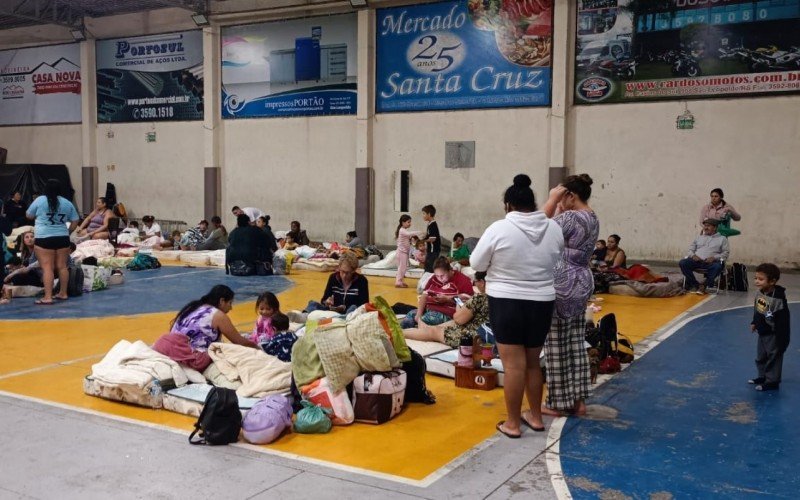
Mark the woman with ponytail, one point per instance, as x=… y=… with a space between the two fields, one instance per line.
x=55 y=217
x=518 y=254
x=568 y=371
x=203 y=320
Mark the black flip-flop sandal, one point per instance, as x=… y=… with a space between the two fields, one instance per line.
x=499 y=428
x=530 y=426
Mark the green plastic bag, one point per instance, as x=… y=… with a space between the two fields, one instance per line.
x=724 y=228
x=312 y=419
x=398 y=339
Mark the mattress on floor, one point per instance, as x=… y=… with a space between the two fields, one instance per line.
x=217 y=258
x=189 y=399
x=322 y=265
x=114 y=262
x=443 y=363
x=197 y=258
x=125 y=393
x=167 y=254
x=413 y=272
x=427 y=348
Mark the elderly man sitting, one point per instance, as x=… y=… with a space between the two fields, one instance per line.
x=707 y=252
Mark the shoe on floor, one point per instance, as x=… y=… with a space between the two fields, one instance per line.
x=768 y=386
x=701 y=290
x=757 y=380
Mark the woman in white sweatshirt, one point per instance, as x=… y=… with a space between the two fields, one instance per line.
x=519 y=254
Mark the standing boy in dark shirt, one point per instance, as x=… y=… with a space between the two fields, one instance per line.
x=433 y=242
x=771 y=323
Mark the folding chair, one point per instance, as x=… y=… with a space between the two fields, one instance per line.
x=704 y=273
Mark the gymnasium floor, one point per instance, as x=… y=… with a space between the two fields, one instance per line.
x=57 y=439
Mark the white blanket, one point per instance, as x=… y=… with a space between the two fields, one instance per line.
x=260 y=373
x=137 y=364
x=93 y=248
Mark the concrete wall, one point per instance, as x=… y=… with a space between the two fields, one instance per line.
x=53 y=144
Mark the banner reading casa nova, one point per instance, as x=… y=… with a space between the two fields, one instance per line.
x=464 y=55
x=302 y=67
x=150 y=78
x=681 y=49
x=40 y=85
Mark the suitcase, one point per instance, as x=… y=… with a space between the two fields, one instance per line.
x=378 y=397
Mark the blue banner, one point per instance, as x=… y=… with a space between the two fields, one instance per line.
x=301 y=67
x=464 y=55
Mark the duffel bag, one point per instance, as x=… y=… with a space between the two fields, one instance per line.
x=378 y=397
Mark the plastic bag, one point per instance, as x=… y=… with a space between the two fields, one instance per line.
x=95 y=278
x=319 y=392
x=312 y=419
x=396 y=333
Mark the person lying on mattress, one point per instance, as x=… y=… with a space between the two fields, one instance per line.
x=437 y=302
x=466 y=320
x=346 y=289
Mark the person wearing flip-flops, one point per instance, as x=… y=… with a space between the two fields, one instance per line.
x=55 y=218
x=519 y=254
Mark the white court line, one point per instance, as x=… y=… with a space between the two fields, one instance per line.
x=185 y=273
x=47 y=367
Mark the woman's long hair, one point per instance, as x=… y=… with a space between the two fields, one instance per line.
x=52 y=190
x=403 y=218
x=212 y=298
x=24 y=252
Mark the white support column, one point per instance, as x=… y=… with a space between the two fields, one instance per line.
x=212 y=122
x=563 y=63
x=88 y=125
x=364 y=178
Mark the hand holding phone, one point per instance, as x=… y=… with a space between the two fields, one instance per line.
x=458 y=301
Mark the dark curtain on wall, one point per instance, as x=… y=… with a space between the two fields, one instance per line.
x=31 y=178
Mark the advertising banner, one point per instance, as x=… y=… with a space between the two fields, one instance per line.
x=302 y=67
x=464 y=55
x=682 y=49
x=150 y=78
x=40 y=85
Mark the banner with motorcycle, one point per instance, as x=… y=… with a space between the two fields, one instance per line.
x=298 y=67
x=464 y=54
x=40 y=85
x=630 y=50
x=150 y=78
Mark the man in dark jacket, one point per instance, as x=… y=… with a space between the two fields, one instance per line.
x=248 y=247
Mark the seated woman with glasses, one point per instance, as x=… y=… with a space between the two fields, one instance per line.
x=346 y=289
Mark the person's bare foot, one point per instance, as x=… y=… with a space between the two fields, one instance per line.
x=553 y=413
x=527 y=419
x=4 y=301
x=580 y=409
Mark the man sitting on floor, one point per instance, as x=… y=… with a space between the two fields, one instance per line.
x=707 y=252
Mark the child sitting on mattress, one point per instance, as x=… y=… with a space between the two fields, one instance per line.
x=268 y=308
x=289 y=244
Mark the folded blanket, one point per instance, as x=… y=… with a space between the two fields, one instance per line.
x=137 y=364
x=260 y=373
x=365 y=335
x=93 y=248
x=336 y=353
x=638 y=272
x=306 y=364
x=177 y=348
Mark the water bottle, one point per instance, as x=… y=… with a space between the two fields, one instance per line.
x=155 y=394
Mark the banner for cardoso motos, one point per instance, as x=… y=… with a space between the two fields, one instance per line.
x=682 y=49
x=150 y=78
x=464 y=54
x=40 y=85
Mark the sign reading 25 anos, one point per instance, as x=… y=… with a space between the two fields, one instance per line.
x=464 y=54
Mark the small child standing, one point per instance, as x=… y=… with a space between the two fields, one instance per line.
x=268 y=307
x=432 y=238
x=403 y=235
x=771 y=323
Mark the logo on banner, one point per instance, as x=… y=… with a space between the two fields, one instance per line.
x=595 y=88
x=138 y=49
x=61 y=77
x=13 y=92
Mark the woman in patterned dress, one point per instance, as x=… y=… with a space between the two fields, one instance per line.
x=568 y=374
x=203 y=320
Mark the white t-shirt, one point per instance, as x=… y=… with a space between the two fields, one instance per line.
x=253 y=213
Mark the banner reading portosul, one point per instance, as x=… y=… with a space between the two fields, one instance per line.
x=464 y=55
x=302 y=67
x=40 y=85
x=683 y=49
x=150 y=78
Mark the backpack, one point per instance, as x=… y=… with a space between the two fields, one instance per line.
x=220 y=420
x=736 y=277
x=267 y=420
x=416 y=388
x=143 y=261
x=607 y=334
x=74 y=282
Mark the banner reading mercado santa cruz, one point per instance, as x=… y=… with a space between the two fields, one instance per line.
x=40 y=85
x=464 y=55
x=682 y=49
x=150 y=78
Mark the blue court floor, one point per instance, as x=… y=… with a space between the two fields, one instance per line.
x=689 y=425
x=176 y=286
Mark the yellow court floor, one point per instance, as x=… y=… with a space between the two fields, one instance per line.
x=47 y=360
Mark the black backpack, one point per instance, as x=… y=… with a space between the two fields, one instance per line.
x=736 y=277
x=416 y=389
x=220 y=420
x=607 y=333
x=74 y=282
